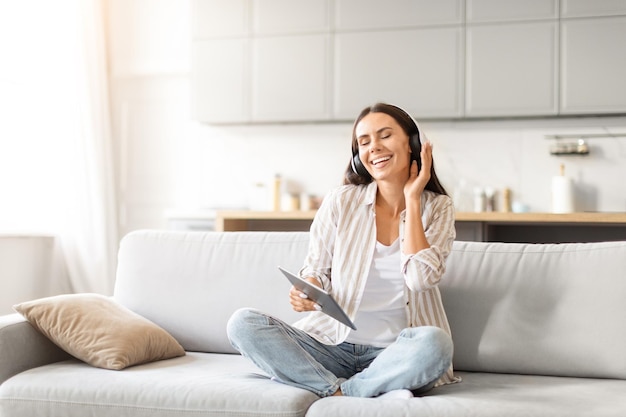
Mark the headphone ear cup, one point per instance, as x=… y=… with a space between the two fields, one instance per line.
x=357 y=166
x=416 y=149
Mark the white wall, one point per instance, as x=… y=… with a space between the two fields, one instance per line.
x=515 y=154
x=166 y=160
x=32 y=267
x=224 y=162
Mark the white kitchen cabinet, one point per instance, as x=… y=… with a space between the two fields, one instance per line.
x=290 y=78
x=376 y=14
x=272 y=17
x=509 y=10
x=593 y=65
x=420 y=70
x=220 y=80
x=320 y=60
x=587 y=8
x=512 y=69
x=220 y=18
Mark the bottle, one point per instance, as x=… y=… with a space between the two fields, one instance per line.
x=276 y=193
x=305 y=202
x=506 y=200
x=490 y=199
x=562 y=193
x=480 y=203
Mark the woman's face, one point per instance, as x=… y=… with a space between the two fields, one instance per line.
x=383 y=147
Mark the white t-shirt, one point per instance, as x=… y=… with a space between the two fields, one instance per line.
x=382 y=314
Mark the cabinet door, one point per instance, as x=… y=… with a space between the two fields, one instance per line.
x=272 y=17
x=377 y=14
x=419 y=70
x=290 y=78
x=593 y=69
x=585 y=8
x=512 y=69
x=220 y=18
x=219 y=80
x=507 y=10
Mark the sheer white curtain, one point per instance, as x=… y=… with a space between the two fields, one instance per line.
x=56 y=169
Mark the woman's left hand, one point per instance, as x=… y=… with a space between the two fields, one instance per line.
x=417 y=180
x=299 y=301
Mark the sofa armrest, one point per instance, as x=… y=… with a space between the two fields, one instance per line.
x=23 y=347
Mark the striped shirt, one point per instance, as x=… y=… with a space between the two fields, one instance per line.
x=341 y=249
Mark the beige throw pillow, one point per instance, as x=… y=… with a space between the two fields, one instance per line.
x=99 y=331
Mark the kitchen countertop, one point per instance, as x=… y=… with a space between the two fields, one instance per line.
x=485 y=226
x=490 y=217
x=266 y=215
x=583 y=217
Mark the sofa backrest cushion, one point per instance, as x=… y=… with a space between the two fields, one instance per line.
x=548 y=309
x=190 y=283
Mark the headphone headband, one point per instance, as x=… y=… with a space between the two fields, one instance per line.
x=410 y=117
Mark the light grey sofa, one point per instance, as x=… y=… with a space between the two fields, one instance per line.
x=539 y=330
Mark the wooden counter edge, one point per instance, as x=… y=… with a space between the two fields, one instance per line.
x=583 y=217
x=237 y=219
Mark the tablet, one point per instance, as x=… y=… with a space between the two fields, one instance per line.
x=321 y=297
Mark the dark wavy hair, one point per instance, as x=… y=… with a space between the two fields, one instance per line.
x=409 y=126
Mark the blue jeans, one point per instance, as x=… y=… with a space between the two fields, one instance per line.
x=415 y=361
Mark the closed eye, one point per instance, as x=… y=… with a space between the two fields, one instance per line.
x=382 y=133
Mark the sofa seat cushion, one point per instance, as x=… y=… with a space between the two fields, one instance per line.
x=493 y=395
x=198 y=384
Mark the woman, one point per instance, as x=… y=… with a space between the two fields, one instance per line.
x=378 y=245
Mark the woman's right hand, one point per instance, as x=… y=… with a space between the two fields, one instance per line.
x=299 y=301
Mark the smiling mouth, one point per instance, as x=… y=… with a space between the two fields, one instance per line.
x=379 y=160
